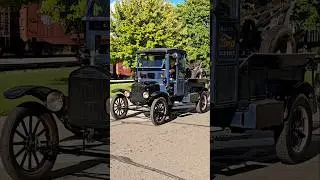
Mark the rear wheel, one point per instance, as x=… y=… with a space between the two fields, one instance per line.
x=119 y=107
x=202 y=104
x=294 y=139
x=28 y=142
x=159 y=111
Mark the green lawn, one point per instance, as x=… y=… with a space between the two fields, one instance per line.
x=53 y=78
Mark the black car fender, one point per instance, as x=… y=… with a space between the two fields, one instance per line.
x=39 y=92
x=158 y=94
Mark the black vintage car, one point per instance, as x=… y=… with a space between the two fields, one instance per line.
x=162 y=82
x=30 y=136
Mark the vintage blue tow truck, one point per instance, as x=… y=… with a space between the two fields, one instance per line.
x=163 y=82
x=259 y=80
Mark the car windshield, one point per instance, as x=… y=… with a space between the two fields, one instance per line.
x=151 y=60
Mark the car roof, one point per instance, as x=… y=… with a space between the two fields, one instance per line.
x=161 y=50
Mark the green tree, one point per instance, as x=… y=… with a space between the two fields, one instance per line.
x=305 y=14
x=67 y=13
x=141 y=24
x=195 y=33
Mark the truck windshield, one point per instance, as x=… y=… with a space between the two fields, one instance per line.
x=151 y=61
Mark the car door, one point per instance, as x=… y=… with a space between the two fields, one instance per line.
x=180 y=69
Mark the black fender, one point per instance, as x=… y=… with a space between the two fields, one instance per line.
x=40 y=108
x=158 y=94
x=119 y=90
x=301 y=88
x=39 y=92
x=307 y=89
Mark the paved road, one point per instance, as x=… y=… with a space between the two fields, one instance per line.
x=35 y=60
x=178 y=149
x=255 y=158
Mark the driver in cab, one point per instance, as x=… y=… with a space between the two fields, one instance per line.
x=172 y=70
x=172 y=74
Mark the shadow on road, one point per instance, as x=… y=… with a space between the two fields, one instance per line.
x=181 y=113
x=174 y=114
x=238 y=160
x=129 y=161
x=78 y=170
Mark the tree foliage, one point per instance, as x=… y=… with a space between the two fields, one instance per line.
x=67 y=13
x=306 y=14
x=195 y=34
x=141 y=24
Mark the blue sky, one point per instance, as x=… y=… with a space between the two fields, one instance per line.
x=176 y=1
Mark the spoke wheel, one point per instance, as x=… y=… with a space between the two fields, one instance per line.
x=202 y=104
x=28 y=141
x=119 y=107
x=159 y=111
x=294 y=139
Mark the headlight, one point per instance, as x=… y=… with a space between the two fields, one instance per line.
x=145 y=95
x=55 y=101
x=127 y=93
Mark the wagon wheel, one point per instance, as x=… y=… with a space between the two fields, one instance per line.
x=294 y=139
x=28 y=140
x=202 y=104
x=159 y=111
x=119 y=107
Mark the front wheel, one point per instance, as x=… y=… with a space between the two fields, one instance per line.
x=202 y=104
x=159 y=111
x=28 y=141
x=293 y=141
x=119 y=107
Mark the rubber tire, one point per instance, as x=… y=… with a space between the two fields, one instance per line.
x=114 y=115
x=7 y=159
x=268 y=45
x=284 y=152
x=204 y=94
x=156 y=123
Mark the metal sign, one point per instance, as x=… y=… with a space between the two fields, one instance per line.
x=225 y=31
